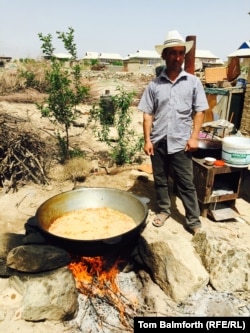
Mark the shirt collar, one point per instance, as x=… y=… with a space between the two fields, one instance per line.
x=163 y=75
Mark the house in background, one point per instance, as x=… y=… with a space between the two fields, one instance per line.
x=91 y=56
x=110 y=58
x=63 y=56
x=205 y=58
x=243 y=52
x=142 y=61
x=4 y=60
x=146 y=61
x=103 y=58
x=60 y=56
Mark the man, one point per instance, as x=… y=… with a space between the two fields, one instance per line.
x=173 y=107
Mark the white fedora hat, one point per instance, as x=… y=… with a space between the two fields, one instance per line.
x=174 y=39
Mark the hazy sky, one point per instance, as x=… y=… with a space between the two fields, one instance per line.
x=122 y=26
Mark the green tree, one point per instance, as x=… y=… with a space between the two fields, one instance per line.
x=128 y=142
x=64 y=90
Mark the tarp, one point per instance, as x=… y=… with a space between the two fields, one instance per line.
x=216 y=91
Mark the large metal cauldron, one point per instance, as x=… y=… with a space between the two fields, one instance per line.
x=208 y=147
x=83 y=198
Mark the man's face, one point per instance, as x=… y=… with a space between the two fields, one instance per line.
x=174 y=55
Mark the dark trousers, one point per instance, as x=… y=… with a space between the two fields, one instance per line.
x=182 y=166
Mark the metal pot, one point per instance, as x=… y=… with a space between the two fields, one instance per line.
x=208 y=147
x=209 y=144
x=82 y=198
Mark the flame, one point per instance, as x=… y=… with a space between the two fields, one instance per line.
x=87 y=269
x=93 y=279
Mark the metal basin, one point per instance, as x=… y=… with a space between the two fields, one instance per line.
x=208 y=147
x=209 y=144
x=82 y=198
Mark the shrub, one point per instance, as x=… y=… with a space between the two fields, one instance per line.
x=128 y=142
x=64 y=90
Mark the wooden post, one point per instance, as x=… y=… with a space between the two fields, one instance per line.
x=189 y=64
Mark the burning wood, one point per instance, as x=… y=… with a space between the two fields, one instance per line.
x=99 y=284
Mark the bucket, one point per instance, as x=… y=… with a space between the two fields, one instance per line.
x=236 y=151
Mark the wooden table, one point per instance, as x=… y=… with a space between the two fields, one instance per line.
x=216 y=184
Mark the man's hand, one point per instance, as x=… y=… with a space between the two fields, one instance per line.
x=192 y=145
x=149 y=148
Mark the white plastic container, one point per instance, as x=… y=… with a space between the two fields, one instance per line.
x=236 y=151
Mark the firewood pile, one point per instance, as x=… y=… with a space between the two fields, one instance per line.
x=23 y=155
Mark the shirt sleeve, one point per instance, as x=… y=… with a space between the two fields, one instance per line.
x=146 y=103
x=200 y=102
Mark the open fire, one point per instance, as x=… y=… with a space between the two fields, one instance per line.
x=88 y=269
x=99 y=283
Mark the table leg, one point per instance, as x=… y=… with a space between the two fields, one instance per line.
x=204 y=209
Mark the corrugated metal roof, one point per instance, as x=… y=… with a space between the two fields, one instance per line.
x=97 y=55
x=205 y=54
x=114 y=56
x=240 y=53
x=243 y=51
x=145 y=54
x=62 y=55
x=154 y=55
x=91 y=55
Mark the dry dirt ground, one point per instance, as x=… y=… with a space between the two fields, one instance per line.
x=17 y=207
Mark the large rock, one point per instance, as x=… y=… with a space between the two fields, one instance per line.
x=226 y=260
x=37 y=258
x=173 y=263
x=8 y=241
x=51 y=295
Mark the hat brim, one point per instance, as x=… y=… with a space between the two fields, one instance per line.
x=188 y=46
